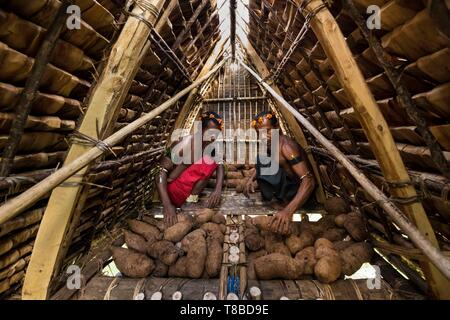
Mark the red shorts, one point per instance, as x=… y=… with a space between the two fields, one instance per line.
x=180 y=188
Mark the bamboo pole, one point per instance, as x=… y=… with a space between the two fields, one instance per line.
x=30 y=91
x=421 y=242
x=290 y=120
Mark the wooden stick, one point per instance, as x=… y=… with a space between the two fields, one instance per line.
x=435 y=256
x=29 y=93
x=403 y=95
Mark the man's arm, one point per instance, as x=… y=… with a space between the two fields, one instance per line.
x=283 y=218
x=167 y=165
x=170 y=217
x=214 y=198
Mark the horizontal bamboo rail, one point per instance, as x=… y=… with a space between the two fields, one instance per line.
x=433 y=254
x=16 y=205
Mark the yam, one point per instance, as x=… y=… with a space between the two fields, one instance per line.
x=231 y=175
x=354 y=256
x=132 y=264
x=262 y=222
x=274 y=243
x=334 y=234
x=297 y=243
x=252 y=256
x=214 y=257
x=154 y=222
x=219 y=219
x=356 y=227
x=179 y=269
x=249 y=223
x=178 y=231
x=326 y=222
x=340 y=219
x=323 y=242
x=149 y=232
x=281 y=248
x=135 y=241
x=253 y=240
x=248 y=173
x=307 y=258
x=195 y=246
x=213 y=230
x=277 y=266
x=185 y=218
x=328 y=269
x=204 y=215
x=161 y=269
x=163 y=250
x=341 y=245
x=232 y=183
x=324 y=251
x=336 y=205
x=314 y=227
x=241 y=186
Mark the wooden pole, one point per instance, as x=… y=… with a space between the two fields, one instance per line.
x=233 y=6
x=376 y=129
x=290 y=119
x=29 y=92
x=422 y=242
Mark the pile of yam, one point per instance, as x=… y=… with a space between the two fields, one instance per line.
x=191 y=248
x=326 y=250
x=236 y=177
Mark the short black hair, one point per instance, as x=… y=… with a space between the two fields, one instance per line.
x=273 y=119
x=208 y=116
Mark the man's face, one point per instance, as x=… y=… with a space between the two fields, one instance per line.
x=212 y=130
x=267 y=127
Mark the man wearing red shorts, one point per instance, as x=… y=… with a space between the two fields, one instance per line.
x=176 y=182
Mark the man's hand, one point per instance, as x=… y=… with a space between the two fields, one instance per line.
x=281 y=222
x=214 y=199
x=249 y=188
x=170 y=215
